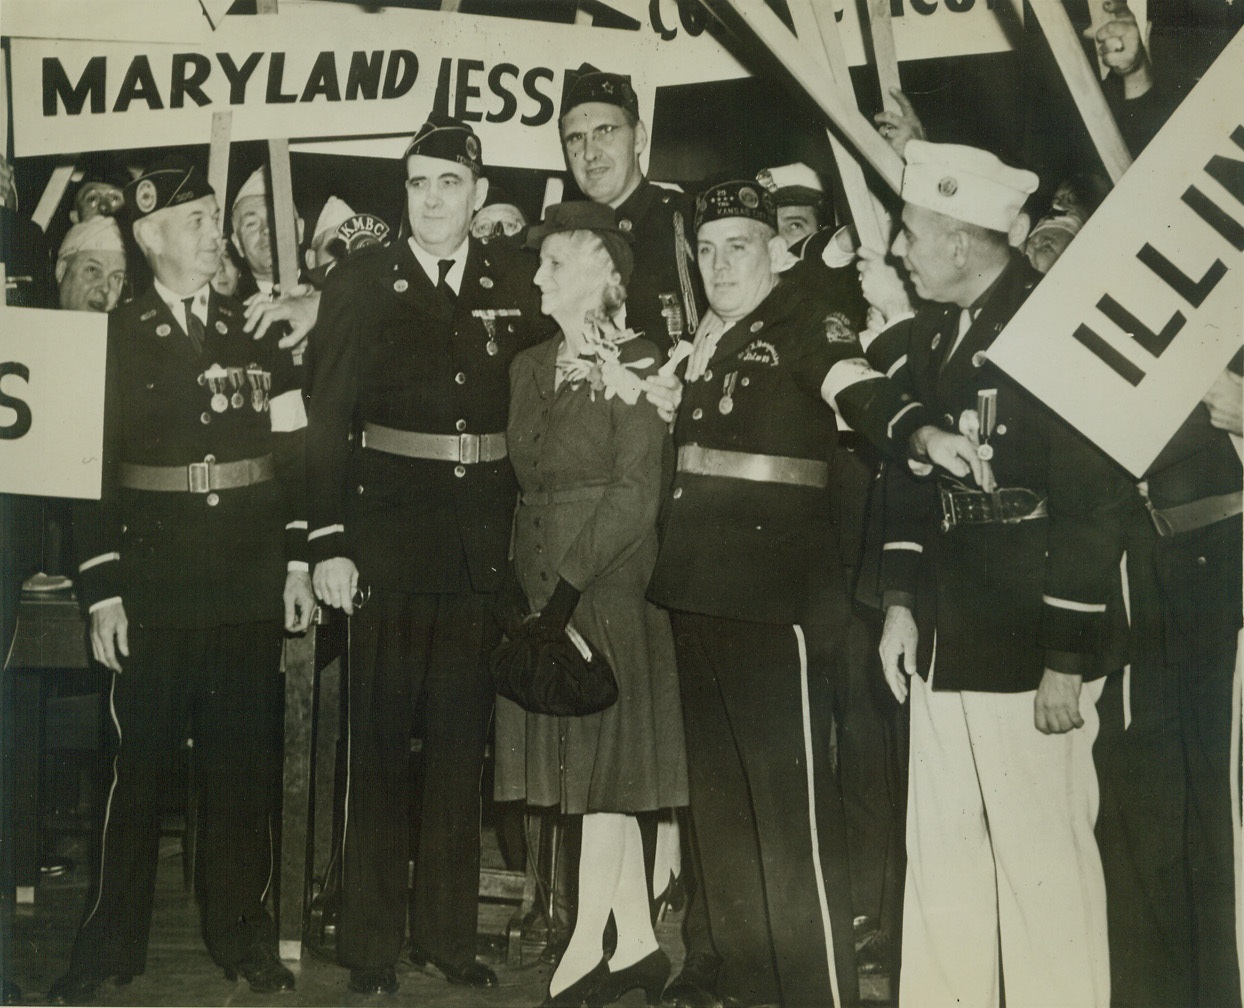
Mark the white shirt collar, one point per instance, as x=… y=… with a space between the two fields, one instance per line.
x=428 y=261
x=176 y=305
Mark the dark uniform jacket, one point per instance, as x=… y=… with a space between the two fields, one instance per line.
x=1006 y=598
x=661 y=223
x=1199 y=571
x=180 y=559
x=746 y=550
x=387 y=350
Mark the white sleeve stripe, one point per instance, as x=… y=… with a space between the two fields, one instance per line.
x=843 y=375
x=97 y=560
x=296 y=525
x=326 y=530
x=889 y=430
x=103 y=602
x=898 y=364
x=1085 y=607
x=915 y=547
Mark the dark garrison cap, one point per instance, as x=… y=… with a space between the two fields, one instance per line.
x=736 y=198
x=447 y=138
x=585 y=215
x=588 y=84
x=170 y=183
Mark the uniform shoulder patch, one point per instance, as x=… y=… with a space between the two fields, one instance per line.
x=838 y=328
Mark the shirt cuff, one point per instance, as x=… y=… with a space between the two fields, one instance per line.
x=297 y=565
x=115 y=600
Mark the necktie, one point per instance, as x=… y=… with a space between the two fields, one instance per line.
x=443 y=266
x=966 y=317
x=194 y=327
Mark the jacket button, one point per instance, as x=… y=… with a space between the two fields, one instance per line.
x=1200 y=561
x=460 y=426
x=544 y=575
x=205 y=417
x=745 y=381
x=677 y=492
x=460 y=378
x=697 y=413
x=1001 y=429
x=213 y=499
x=459 y=471
x=360 y=488
x=209 y=459
x=708 y=375
x=539 y=548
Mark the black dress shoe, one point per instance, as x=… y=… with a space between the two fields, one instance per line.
x=77 y=986
x=696 y=985
x=263 y=971
x=364 y=980
x=650 y=973
x=473 y=974
x=580 y=992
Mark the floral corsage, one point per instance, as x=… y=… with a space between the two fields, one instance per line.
x=601 y=367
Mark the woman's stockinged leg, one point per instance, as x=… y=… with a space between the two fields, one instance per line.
x=600 y=866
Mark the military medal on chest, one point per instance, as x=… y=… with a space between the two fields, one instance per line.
x=237 y=376
x=489 y=317
x=217 y=379
x=726 y=405
x=987 y=410
x=260 y=381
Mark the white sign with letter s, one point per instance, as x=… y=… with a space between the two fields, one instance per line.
x=52 y=401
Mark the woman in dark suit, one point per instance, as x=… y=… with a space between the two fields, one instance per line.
x=587 y=448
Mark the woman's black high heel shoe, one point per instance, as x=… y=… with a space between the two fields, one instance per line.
x=650 y=973
x=581 y=992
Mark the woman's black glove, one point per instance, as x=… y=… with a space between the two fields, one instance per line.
x=512 y=607
x=551 y=621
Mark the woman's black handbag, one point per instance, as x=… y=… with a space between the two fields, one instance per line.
x=561 y=675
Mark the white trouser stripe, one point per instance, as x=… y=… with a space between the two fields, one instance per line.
x=1234 y=778
x=821 y=895
x=103 y=843
x=345 y=686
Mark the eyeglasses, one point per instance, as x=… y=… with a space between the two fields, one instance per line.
x=575 y=143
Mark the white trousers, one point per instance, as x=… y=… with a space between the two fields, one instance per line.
x=1002 y=865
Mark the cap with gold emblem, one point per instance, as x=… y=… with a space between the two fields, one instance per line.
x=965 y=183
x=171 y=183
x=587 y=84
x=447 y=138
x=736 y=198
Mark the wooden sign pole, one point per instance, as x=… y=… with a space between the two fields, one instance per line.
x=881 y=29
x=816 y=80
x=810 y=25
x=218 y=157
x=1084 y=85
x=283 y=214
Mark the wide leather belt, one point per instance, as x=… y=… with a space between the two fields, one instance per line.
x=198 y=477
x=465 y=448
x=1008 y=505
x=1173 y=521
x=747 y=466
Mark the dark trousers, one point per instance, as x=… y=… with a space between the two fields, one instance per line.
x=1206 y=711
x=406 y=649
x=222 y=685
x=762 y=825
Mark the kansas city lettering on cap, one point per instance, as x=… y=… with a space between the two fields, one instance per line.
x=1227 y=172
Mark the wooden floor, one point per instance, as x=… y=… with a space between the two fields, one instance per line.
x=180 y=972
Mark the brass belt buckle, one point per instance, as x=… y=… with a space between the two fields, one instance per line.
x=199 y=472
x=468 y=448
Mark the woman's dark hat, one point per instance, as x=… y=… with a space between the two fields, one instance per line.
x=584 y=215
